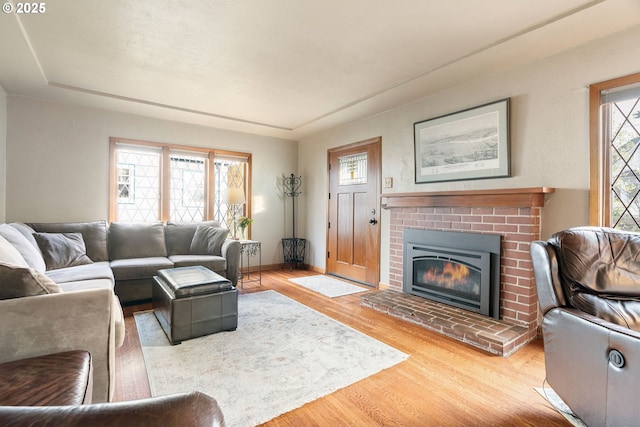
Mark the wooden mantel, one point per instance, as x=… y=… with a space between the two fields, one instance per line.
x=505 y=197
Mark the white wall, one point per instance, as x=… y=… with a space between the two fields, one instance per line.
x=58 y=163
x=3 y=150
x=549 y=137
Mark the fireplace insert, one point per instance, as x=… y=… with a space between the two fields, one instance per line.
x=459 y=269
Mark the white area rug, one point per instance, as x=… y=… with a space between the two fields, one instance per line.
x=554 y=400
x=328 y=286
x=282 y=355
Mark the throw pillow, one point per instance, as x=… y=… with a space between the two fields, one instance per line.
x=180 y=234
x=9 y=254
x=61 y=250
x=17 y=282
x=27 y=249
x=208 y=240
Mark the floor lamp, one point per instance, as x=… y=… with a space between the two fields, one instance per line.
x=235 y=198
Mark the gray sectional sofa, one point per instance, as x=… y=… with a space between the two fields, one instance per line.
x=130 y=254
x=61 y=284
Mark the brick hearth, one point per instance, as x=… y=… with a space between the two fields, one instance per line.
x=495 y=336
x=515 y=215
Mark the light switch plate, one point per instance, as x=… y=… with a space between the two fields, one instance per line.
x=388 y=182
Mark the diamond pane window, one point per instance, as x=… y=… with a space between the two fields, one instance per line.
x=126 y=189
x=188 y=187
x=622 y=113
x=228 y=172
x=138 y=185
x=161 y=182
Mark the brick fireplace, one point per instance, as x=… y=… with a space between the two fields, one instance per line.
x=513 y=214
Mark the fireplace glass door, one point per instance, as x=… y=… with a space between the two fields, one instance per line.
x=457 y=277
x=448 y=277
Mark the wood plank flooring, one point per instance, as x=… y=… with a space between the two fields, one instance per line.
x=443 y=382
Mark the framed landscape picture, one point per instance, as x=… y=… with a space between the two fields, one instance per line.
x=469 y=144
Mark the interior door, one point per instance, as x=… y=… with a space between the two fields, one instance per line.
x=353 y=233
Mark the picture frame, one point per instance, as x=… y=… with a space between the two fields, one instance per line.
x=465 y=145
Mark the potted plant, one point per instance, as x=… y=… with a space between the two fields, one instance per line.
x=243 y=223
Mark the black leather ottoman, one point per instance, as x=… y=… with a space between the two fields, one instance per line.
x=190 y=302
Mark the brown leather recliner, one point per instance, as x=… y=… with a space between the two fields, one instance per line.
x=588 y=282
x=184 y=409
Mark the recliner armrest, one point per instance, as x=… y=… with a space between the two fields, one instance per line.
x=577 y=348
x=548 y=283
x=185 y=409
x=53 y=323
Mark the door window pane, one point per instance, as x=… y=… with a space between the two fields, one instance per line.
x=352 y=169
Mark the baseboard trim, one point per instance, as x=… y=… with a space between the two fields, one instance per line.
x=268 y=267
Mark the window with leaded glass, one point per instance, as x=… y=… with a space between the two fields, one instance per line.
x=615 y=163
x=160 y=182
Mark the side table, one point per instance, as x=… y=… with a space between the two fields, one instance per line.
x=250 y=249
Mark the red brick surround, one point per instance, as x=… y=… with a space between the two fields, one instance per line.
x=516 y=219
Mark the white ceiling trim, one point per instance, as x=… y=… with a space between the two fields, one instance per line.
x=160 y=105
x=497 y=43
x=346 y=106
x=27 y=40
x=313 y=86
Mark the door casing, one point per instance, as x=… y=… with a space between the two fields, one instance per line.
x=353 y=243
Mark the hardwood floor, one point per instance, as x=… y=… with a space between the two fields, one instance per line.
x=442 y=383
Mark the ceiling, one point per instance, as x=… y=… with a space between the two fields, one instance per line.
x=282 y=68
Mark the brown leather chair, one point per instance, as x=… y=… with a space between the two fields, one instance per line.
x=186 y=409
x=588 y=282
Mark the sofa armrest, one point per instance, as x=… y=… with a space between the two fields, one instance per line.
x=577 y=348
x=231 y=252
x=53 y=323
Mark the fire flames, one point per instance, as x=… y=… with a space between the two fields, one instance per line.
x=450 y=276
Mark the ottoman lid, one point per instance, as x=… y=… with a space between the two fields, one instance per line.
x=192 y=281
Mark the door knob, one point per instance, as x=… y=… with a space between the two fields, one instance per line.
x=373 y=221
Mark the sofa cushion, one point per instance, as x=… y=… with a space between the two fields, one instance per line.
x=26 y=231
x=17 y=282
x=94 y=234
x=28 y=248
x=95 y=271
x=213 y=263
x=180 y=234
x=208 y=240
x=10 y=255
x=136 y=240
x=83 y=285
x=61 y=250
x=138 y=268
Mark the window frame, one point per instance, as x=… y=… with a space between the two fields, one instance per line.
x=165 y=177
x=599 y=159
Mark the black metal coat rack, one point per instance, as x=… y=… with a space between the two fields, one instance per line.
x=293 y=248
